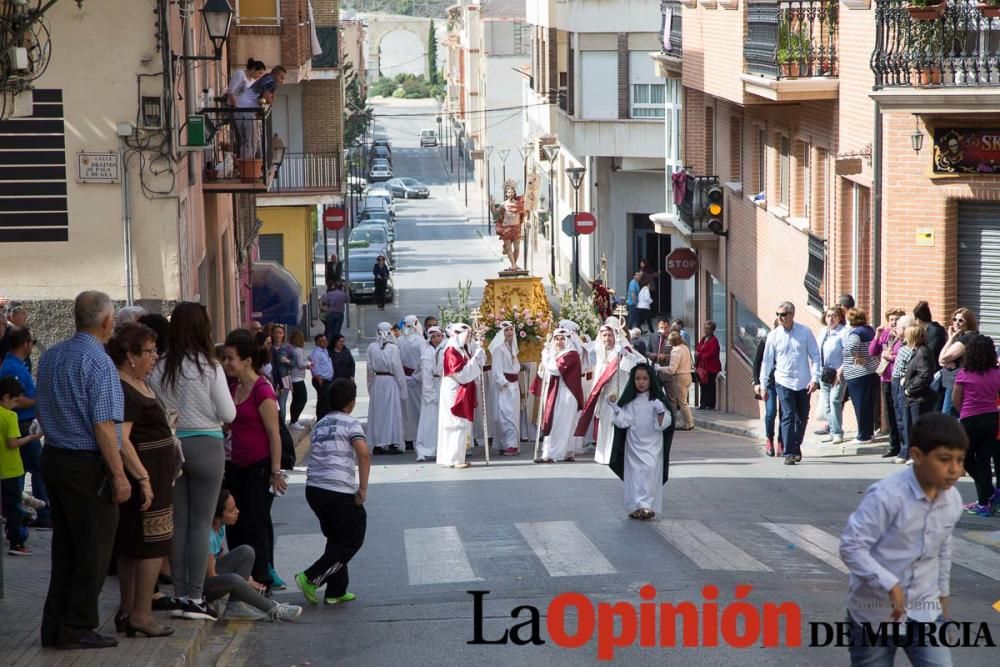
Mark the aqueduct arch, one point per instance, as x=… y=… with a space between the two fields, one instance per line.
x=380 y=25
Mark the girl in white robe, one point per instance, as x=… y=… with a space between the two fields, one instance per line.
x=386 y=388
x=611 y=351
x=431 y=368
x=505 y=372
x=411 y=349
x=563 y=400
x=641 y=450
x=463 y=367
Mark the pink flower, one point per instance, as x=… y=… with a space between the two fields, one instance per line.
x=528 y=321
x=523 y=335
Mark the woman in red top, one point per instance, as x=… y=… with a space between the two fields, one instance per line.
x=707 y=365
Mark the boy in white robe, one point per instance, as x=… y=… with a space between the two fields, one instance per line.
x=411 y=348
x=505 y=371
x=431 y=369
x=386 y=388
x=462 y=369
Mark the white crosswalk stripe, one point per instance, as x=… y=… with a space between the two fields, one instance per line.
x=706 y=548
x=436 y=556
x=976 y=557
x=563 y=549
x=818 y=543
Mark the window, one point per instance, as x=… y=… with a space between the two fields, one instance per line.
x=672 y=123
x=748 y=331
x=784 y=177
x=806 y=181
x=815 y=272
x=648 y=100
x=717 y=309
x=272 y=248
x=736 y=148
x=761 y=160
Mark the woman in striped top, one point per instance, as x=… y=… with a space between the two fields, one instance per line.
x=860 y=372
x=901 y=358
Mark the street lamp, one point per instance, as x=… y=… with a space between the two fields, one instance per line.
x=576 y=179
x=462 y=164
x=218 y=17
x=504 y=153
x=552 y=152
x=487 y=154
x=525 y=150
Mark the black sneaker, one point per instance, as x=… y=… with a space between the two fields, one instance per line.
x=198 y=611
x=395 y=449
x=409 y=445
x=167 y=603
x=378 y=450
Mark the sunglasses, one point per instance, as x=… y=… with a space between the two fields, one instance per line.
x=781 y=314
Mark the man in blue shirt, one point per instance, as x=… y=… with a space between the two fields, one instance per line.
x=15 y=364
x=792 y=352
x=632 y=298
x=80 y=409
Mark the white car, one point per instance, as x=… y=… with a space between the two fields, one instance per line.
x=428 y=138
x=380 y=171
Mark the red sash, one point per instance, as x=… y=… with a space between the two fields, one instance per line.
x=569 y=372
x=591 y=407
x=464 y=406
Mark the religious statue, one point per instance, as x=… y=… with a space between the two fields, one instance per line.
x=510 y=217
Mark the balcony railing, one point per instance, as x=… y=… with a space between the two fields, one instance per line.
x=307 y=173
x=241 y=155
x=789 y=39
x=961 y=48
x=670 y=33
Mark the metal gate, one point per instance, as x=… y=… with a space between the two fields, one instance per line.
x=979 y=263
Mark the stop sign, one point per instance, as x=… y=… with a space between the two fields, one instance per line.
x=585 y=223
x=334 y=218
x=682 y=263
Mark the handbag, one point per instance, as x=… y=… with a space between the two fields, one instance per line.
x=883 y=364
x=828 y=375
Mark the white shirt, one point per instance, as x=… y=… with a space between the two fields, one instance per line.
x=790 y=354
x=203 y=401
x=645 y=298
x=240 y=88
x=331 y=461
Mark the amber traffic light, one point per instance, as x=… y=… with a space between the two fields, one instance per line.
x=715 y=198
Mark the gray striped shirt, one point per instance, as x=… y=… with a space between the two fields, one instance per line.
x=332 y=462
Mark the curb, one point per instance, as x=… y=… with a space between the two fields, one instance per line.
x=808 y=448
x=189 y=655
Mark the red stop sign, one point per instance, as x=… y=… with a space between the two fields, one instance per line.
x=334 y=218
x=682 y=263
x=585 y=223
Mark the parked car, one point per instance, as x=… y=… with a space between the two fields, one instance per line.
x=371 y=238
x=408 y=188
x=380 y=153
x=356 y=184
x=428 y=138
x=383 y=142
x=376 y=210
x=360 y=280
x=382 y=197
x=380 y=171
x=379 y=223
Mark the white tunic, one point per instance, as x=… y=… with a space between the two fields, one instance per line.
x=643 y=451
x=603 y=413
x=453 y=431
x=507 y=397
x=386 y=384
x=558 y=444
x=411 y=349
x=431 y=369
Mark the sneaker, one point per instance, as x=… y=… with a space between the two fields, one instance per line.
x=859 y=441
x=828 y=438
x=891 y=454
x=970 y=506
x=19 y=550
x=295 y=426
x=198 y=610
x=165 y=603
x=284 y=612
x=836 y=439
x=789 y=460
x=798 y=458
x=981 y=510
x=909 y=462
x=278 y=584
x=32 y=502
x=421 y=459
x=307 y=588
x=346 y=597
x=899 y=460
x=822 y=431
x=511 y=451
x=395 y=449
x=769 y=447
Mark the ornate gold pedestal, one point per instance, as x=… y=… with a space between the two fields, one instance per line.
x=517 y=293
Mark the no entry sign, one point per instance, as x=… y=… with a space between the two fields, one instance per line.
x=682 y=263
x=586 y=223
x=334 y=218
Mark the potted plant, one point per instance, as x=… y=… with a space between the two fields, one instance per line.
x=211 y=173
x=793 y=46
x=926 y=41
x=989 y=9
x=926 y=10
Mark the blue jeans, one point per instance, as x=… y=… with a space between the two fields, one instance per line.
x=334 y=323
x=902 y=422
x=831 y=405
x=31 y=457
x=770 y=410
x=862 y=391
x=884 y=655
x=947 y=406
x=794 y=415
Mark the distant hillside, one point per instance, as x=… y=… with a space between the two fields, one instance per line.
x=427 y=8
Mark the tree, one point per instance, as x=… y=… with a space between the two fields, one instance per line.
x=432 y=55
x=357 y=113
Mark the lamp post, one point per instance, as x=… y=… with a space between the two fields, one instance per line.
x=487 y=154
x=463 y=165
x=576 y=179
x=218 y=17
x=525 y=150
x=503 y=153
x=552 y=152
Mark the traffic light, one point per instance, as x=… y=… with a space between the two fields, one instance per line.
x=715 y=198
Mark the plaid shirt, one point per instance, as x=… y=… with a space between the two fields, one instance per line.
x=78 y=387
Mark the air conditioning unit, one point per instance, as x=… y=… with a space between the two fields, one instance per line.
x=151 y=112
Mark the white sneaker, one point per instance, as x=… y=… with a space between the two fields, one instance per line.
x=836 y=439
x=296 y=427
x=899 y=460
x=828 y=438
x=909 y=462
x=420 y=459
x=285 y=612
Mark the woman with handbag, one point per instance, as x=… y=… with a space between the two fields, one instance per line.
x=282 y=362
x=831 y=396
x=859 y=371
x=964 y=327
x=884 y=346
x=707 y=365
x=680 y=371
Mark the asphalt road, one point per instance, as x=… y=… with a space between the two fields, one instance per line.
x=529 y=533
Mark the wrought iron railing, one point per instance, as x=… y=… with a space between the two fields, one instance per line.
x=961 y=47
x=563 y=100
x=241 y=144
x=307 y=172
x=789 y=39
x=670 y=34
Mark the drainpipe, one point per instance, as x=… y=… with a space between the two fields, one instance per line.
x=877 y=215
x=126 y=224
x=190 y=94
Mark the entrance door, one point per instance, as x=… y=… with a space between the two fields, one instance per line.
x=652 y=247
x=979 y=263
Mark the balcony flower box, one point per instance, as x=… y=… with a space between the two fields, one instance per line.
x=989 y=10
x=928 y=76
x=250 y=169
x=920 y=10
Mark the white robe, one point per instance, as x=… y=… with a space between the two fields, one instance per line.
x=411 y=348
x=453 y=431
x=643 y=452
x=431 y=369
x=603 y=412
x=385 y=408
x=507 y=398
x=559 y=443
x=491 y=410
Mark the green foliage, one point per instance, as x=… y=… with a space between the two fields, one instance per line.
x=457 y=310
x=357 y=113
x=383 y=87
x=425 y=8
x=407 y=86
x=399 y=92
x=432 y=53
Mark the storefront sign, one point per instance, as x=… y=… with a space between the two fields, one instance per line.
x=959 y=150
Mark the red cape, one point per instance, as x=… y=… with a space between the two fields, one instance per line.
x=595 y=394
x=465 y=400
x=569 y=373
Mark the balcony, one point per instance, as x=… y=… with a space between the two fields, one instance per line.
x=691 y=219
x=277 y=32
x=948 y=63
x=668 y=61
x=790 y=50
x=240 y=158
x=306 y=178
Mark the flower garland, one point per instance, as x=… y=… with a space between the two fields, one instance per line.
x=580 y=309
x=529 y=325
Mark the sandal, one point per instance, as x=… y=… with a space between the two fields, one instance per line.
x=635 y=515
x=646 y=515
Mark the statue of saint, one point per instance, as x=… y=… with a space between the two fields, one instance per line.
x=510 y=216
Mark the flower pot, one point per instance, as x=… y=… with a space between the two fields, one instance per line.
x=250 y=169
x=928 y=13
x=930 y=76
x=790 y=70
x=988 y=10
x=211 y=174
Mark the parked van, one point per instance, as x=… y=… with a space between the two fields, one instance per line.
x=428 y=138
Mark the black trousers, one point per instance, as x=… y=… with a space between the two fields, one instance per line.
x=380 y=286
x=888 y=401
x=299 y=398
x=343 y=522
x=322 y=388
x=707 y=393
x=250 y=487
x=10 y=500
x=982 y=432
x=83 y=534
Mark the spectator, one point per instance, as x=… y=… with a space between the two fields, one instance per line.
x=128 y=314
x=191 y=383
x=11 y=467
x=644 y=308
x=264 y=86
x=884 y=347
x=903 y=354
x=680 y=370
x=4 y=325
x=769 y=395
x=161 y=326
x=963 y=328
x=333 y=305
x=791 y=351
x=707 y=365
x=263 y=341
x=860 y=373
x=660 y=344
x=238 y=93
x=256 y=451
x=921 y=397
x=15 y=364
x=298 y=376
x=334 y=270
x=678 y=326
x=335 y=496
x=845 y=301
x=229 y=571
x=648 y=273
x=831 y=396
x=255 y=327
x=282 y=360
x=635 y=338
x=145 y=523
x=80 y=406
x=632 y=298
x=936 y=335
x=977 y=386
x=381 y=273
x=322 y=374
x=17 y=316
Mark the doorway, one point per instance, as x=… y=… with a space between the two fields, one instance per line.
x=654 y=248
